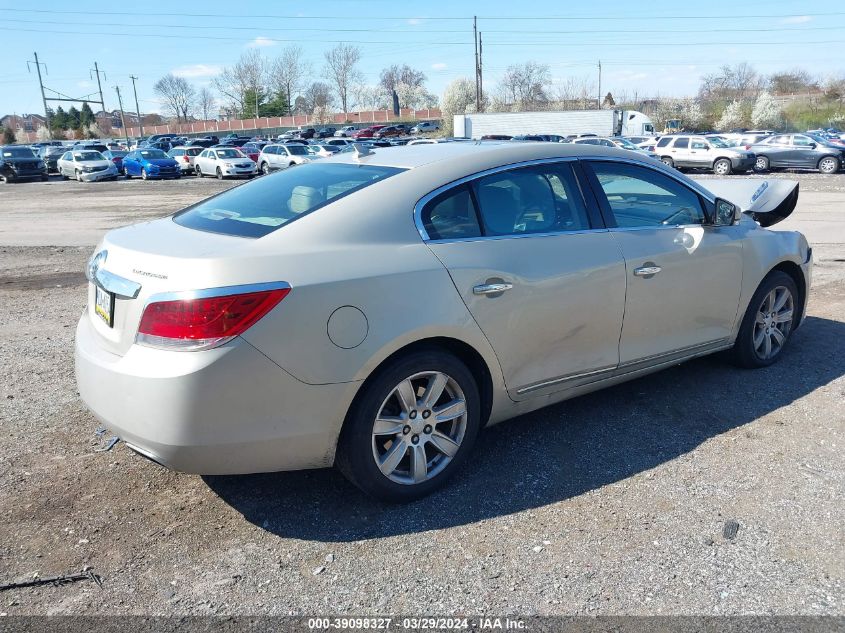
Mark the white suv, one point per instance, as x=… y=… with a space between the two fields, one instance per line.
x=274 y=157
x=698 y=152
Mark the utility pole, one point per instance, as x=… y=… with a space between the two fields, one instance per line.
x=122 y=118
x=97 y=72
x=137 y=109
x=41 y=85
x=599 y=84
x=480 y=68
x=477 y=80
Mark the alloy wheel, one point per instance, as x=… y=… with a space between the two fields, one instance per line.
x=828 y=165
x=773 y=322
x=419 y=427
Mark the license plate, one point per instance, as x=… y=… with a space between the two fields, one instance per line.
x=104 y=305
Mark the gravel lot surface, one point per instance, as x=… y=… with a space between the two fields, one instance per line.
x=613 y=503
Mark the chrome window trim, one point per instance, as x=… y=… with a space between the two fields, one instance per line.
x=119 y=286
x=662 y=169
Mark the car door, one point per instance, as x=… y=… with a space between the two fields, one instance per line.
x=63 y=161
x=778 y=150
x=683 y=277
x=542 y=278
x=130 y=164
x=680 y=152
x=700 y=153
x=803 y=152
x=202 y=161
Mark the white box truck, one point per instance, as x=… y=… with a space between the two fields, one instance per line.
x=564 y=123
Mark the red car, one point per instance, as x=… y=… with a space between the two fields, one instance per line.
x=367 y=132
x=250 y=151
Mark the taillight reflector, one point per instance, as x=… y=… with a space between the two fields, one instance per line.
x=204 y=322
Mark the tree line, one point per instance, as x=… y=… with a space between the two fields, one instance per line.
x=256 y=86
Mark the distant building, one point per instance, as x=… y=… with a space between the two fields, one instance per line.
x=23 y=122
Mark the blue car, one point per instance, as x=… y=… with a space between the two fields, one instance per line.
x=150 y=163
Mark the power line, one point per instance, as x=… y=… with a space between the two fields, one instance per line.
x=405 y=42
x=438 y=18
x=264 y=28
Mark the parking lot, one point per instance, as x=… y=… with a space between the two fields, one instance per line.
x=612 y=503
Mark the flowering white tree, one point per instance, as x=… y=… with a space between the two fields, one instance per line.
x=43 y=134
x=766 y=112
x=369 y=97
x=691 y=114
x=731 y=118
x=416 y=97
x=458 y=98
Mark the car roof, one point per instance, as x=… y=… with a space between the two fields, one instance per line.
x=476 y=155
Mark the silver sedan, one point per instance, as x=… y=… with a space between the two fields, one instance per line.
x=377 y=309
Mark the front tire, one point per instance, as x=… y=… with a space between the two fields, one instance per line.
x=265 y=168
x=199 y=172
x=768 y=322
x=761 y=164
x=411 y=427
x=722 y=167
x=828 y=165
x=144 y=175
x=78 y=176
x=219 y=174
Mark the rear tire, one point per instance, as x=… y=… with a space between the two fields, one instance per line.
x=667 y=161
x=722 y=167
x=405 y=461
x=768 y=323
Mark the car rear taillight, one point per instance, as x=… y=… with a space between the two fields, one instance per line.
x=202 y=322
x=185 y=158
x=115 y=160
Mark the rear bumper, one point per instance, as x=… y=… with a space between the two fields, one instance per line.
x=807 y=269
x=229 y=410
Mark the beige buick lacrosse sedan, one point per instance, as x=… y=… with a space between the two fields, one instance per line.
x=377 y=309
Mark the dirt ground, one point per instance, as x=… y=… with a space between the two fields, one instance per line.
x=612 y=503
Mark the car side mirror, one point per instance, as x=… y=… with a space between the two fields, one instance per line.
x=812 y=146
x=727 y=213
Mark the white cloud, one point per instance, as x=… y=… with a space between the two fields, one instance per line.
x=85 y=84
x=193 y=71
x=796 y=19
x=415 y=21
x=261 y=42
x=439 y=66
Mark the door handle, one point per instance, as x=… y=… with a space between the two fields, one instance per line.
x=491 y=289
x=647 y=271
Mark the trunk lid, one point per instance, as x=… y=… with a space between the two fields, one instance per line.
x=162 y=256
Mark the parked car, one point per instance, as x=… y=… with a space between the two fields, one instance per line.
x=340 y=142
x=389 y=131
x=20 y=163
x=308 y=132
x=51 y=154
x=281 y=156
x=542 y=295
x=323 y=150
x=496 y=137
x=699 y=152
x=86 y=165
x=149 y=162
x=367 y=132
x=325 y=132
x=185 y=156
x=116 y=156
x=614 y=141
x=252 y=150
x=798 y=151
x=346 y=130
x=425 y=126
x=96 y=147
x=203 y=142
x=224 y=162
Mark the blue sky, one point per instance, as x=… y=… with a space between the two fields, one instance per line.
x=649 y=48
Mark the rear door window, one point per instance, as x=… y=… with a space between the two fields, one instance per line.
x=267 y=204
x=681 y=143
x=451 y=215
x=542 y=199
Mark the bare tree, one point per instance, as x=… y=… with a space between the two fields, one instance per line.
x=738 y=82
x=246 y=77
x=206 y=102
x=318 y=96
x=792 y=81
x=526 y=85
x=403 y=79
x=341 y=71
x=287 y=73
x=179 y=95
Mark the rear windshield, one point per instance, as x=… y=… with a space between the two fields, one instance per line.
x=86 y=156
x=153 y=153
x=265 y=205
